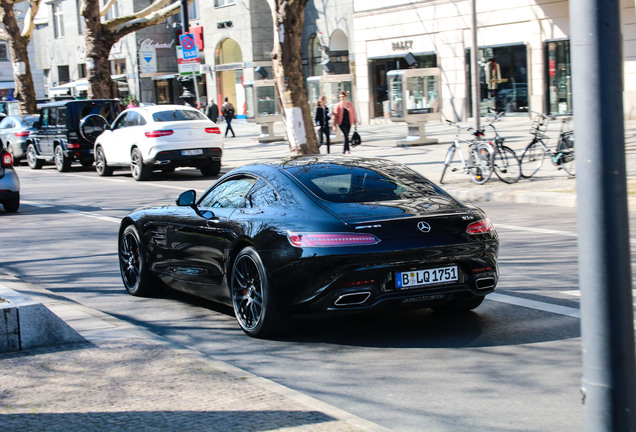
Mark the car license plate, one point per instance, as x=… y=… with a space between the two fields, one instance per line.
x=191 y=152
x=418 y=278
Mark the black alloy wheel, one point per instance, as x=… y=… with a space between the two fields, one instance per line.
x=132 y=264
x=253 y=300
x=138 y=170
x=32 y=160
x=101 y=166
x=62 y=163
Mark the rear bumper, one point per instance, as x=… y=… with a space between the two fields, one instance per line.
x=177 y=158
x=9 y=183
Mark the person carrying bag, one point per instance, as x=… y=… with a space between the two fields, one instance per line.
x=344 y=116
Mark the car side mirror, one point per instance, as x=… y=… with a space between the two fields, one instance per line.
x=187 y=199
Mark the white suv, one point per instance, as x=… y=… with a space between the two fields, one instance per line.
x=159 y=137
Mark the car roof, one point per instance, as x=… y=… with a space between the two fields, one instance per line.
x=159 y=108
x=75 y=101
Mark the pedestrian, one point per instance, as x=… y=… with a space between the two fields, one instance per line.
x=228 y=114
x=322 y=121
x=344 y=115
x=212 y=111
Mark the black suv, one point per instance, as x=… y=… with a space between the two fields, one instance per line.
x=67 y=130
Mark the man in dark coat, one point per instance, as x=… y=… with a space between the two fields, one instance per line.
x=212 y=111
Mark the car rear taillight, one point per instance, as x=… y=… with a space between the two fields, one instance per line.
x=331 y=239
x=481 y=227
x=7 y=160
x=214 y=130
x=159 y=133
x=21 y=134
x=71 y=146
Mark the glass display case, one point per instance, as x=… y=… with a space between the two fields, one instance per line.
x=334 y=84
x=313 y=90
x=263 y=107
x=414 y=94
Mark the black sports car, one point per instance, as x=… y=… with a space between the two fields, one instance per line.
x=314 y=235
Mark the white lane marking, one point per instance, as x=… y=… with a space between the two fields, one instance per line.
x=92 y=215
x=536 y=230
x=36 y=204
x=537 y=305
x=577 y=293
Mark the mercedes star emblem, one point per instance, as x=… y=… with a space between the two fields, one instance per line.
x=423 y=226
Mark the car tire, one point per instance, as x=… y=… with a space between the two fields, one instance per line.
x=138 y=170
x=12 y=205
x=459 y=305
x=32 y=160
x=62 y=163
x=101 y=166
x=211 y=169
x=133 y=267
x=254 y=301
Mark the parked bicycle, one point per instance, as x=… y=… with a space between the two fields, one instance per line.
x=506 y=164
x=478 y=165
x=534 y=153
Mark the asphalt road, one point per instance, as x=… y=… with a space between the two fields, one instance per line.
x=512 y=365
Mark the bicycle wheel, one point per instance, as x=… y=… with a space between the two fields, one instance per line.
x=447 y=161
x=506 y=165
x=480 y=163
x=532 y=159
x=565 y=154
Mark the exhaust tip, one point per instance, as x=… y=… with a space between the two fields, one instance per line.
x=352 y=299
x=485 y=283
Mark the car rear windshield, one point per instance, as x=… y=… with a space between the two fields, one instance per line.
x=177 y=115
x=351 y=184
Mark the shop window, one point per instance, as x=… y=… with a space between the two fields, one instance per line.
x=4 y=51
x=58 y=20
x=558 y=77
x=503 y=78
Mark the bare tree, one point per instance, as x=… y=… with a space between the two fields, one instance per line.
x=289 y=20
x=18 y=41
x=101 y=36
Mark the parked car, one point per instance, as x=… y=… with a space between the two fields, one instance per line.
x=160 y=137
x=314 y=235
x=9 y=183
x=14 y=131
x=66 y=131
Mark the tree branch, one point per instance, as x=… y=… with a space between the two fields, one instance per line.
x=125 y=25
x=29 y=19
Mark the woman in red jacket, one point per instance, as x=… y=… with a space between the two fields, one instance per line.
x=344 y=116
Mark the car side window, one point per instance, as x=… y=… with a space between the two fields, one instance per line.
x=6 y=124
x=261 y=195
x=121 y=121
x=45 y=117
x=132 y=119
x=229 y=194
x=61 y=116
x=52 y=117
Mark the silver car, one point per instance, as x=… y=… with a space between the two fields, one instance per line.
x=9 y=183
x=14 y=131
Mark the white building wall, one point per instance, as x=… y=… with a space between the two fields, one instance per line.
x=444 y=26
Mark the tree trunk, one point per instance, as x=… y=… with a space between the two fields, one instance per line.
x=24 y=89
x=289 y=20
x=99 y=42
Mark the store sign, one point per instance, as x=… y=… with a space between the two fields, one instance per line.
x=406 y=45
x=156 y=45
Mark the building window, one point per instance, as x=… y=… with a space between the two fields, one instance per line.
x=221 y=3
x=193 y=10
x=80 y=19
x=58 y=20
x=113 y=11
x=315 y=55
x=63 y=74
x=118 y=67
x=558 y=77
x=81 y=70
x=4 y=51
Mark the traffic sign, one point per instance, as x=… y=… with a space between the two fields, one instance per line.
x=188 y=46
x=147 y=59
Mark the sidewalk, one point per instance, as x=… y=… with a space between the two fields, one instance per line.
x=124 y=378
